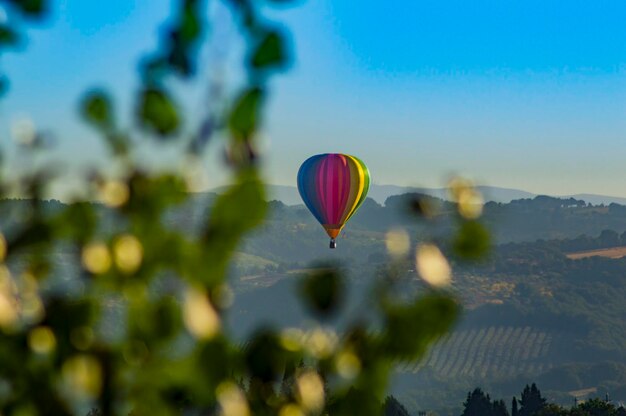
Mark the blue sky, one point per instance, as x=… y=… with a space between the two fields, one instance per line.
x=525 y=94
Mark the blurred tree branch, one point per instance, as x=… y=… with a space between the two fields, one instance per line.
x=171 y=353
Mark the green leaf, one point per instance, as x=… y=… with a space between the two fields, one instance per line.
x=234 y=213
x=96 y=109
x=265 y=359
x=357 y=401
x=77 y=221
x=270 y=52
x=157 y=112
x=67 y=315
x=244 y=116
x=183 y=38
x=323 y=291
x=472 y=240
x=31 y=7
x=4 y=85
x=217 y=356
x=410 y=328
x=423 y=206
x=190 y=25
x=36 y=233
x=167 y=314
x=8 y=36
x=155 y=321
x=150 y=195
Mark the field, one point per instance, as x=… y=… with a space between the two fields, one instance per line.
x=612 y=253
x=494 y=352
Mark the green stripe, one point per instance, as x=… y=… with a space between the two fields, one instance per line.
x=366 y=185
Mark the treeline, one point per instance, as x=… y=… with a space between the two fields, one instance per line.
x=544 y=257
x=530 y=403
x=542 y=217
x=291 y=234
x=606 y=239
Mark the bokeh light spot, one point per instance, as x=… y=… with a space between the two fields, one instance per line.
x=82 y=375
x=8 y=299
x=310 y=391
x=232 y=400
x=3 y=247
x=200 y=316
x=320 y=343
x=348 y=364
x=96 y=258
x=432 y=265
x=114 y=193
x=291 y=339
x=397 y=242
x=128 y=253
x=291 y=410
x=41 y=340
x=470 y=201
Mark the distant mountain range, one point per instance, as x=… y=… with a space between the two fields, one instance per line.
x=288 y=195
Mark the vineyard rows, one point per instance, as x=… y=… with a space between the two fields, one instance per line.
x=489 y=352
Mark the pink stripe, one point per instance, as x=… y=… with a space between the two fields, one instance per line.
x=332 y=187
x=339 y=184
x=344 y=180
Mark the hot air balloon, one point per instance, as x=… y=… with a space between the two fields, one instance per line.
x=333 y=186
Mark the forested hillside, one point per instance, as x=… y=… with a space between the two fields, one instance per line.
x=531 y=313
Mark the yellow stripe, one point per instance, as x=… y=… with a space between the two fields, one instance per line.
x=362 y=188
x=360 y=182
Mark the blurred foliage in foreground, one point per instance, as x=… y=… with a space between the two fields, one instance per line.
x=168 y=352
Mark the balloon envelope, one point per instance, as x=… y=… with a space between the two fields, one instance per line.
x=333 y=186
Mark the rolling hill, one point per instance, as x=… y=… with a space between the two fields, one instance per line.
x=530 y=312
x=288 y=195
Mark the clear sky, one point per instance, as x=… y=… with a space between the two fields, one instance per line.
x=524 y=94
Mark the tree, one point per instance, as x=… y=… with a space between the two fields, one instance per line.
x=553 y=410
x=576 y=411
x=392 y=407
x=514 y=410
x=598 y=407
x=609 y=238
x=499 y=408
x=532 y=401
x=477 y=404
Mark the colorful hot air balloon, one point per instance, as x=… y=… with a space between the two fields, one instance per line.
x=333 y=186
